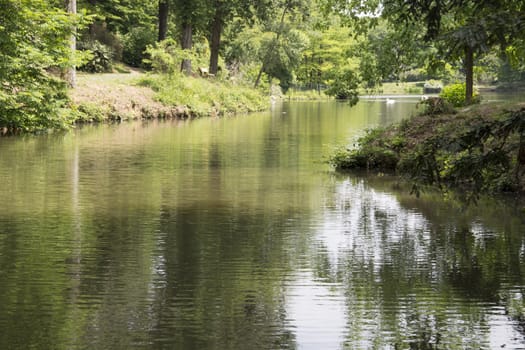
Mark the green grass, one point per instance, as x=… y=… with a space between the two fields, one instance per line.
x=397 y=88
x=205 y=96
x=305 y=95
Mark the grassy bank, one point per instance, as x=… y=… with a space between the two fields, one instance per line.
x=395 y=88
x=480 y=149
x=203 y=97
x=135 y=95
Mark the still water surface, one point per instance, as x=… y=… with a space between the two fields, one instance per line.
x=232 y=233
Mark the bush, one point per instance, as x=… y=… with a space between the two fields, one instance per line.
x=373 y=153
x=164 y=57
x=365 y=158
x=34 y=41
x=436 y=106
x=100 y=58
x=89 y=112
x=135 y=43
x=344 y=87
x=455 y=94
x=39 y=103
x=98 y=31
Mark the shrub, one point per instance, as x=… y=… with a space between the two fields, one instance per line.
x=100 y=58
x=34 y=41
x=377 y=158
x=372 y=153
x=436 y=106
x=89 y=112
x=164 y=57
x=98 y=31
x=414 y=90
x=344 y=86
x=135 y=43
x=39 y=103
x=455 y=94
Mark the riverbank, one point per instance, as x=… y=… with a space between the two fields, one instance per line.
x=115 y=96
x=479 y=149
x=136 y=95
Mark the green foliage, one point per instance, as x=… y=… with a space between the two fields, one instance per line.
x=436 y=106
x=99 y=32
x=455 y=94
x=135 y=43
x=472 y=153
x=89 y=112
x=283 y=56
x=344 y=86
x=371 y=153
x=305 y=95
x=100 y=57
x=454 y=33
x=365 y=158
x=205 y=97
x=483 y=157
x=328 y=51
x=34 y=38
x=165 y=57
x=414 y=90
x=121 y=16
x=391 y=52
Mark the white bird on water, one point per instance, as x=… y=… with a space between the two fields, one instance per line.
x=389 y=101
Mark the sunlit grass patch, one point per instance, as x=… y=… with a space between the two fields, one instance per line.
x=206 y=96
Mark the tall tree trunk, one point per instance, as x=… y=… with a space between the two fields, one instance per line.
x=70 y=74
x=163 y=19
x=187 y=44
x=272 y=47
x=215 y=44
x=91 y=26
x=469 y=73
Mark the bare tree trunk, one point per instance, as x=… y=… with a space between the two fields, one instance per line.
x=469 y=72
x=70 y=74
x=187 y=44
x=272 y=47
x=163 y=19
x=215 y=44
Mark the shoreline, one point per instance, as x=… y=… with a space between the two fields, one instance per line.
x=475 y=150
x=118 y=97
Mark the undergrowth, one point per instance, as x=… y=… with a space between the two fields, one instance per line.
x=478 y=151
x=205 y=96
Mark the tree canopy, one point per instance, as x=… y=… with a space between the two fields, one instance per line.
x=336 y=46
x=464 y=30
x=34 y=40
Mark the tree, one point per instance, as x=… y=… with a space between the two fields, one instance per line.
x=163 y=19
x=287 y=7
x=121 y=16
x=389 y=53
x=461 y=29
x=70 y=73
x=225 y=11
x=34 y=40
x=465 y=29
x=193 y=16
x=125 y=27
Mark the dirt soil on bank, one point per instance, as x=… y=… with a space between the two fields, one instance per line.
x=119 y=96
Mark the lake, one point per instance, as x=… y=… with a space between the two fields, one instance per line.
x=234 y=233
